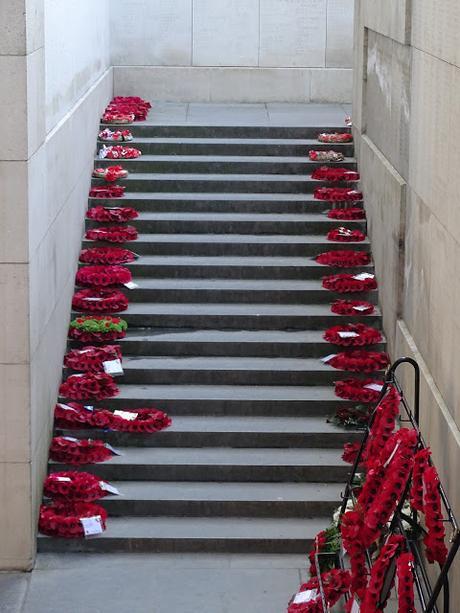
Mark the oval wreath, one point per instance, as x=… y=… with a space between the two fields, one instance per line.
x=102 y=276
x=91 y=359
x=77 y=452
x=89 y=385
x=357 y=390
x=107 y=214
x=92 y=328
x=107 y=191
x=352 y=307
x=325 y=156
x=106 y=255
x=345 y=235
x=347 y=214
x=335 y=137
x=119 y=152
x=112 y=234
x=110 y=173
x=327 y=173
x=337 y=194
x=344 y=258
x=345 y=283
x=72 y=485
x=360 y=361
x=72 y=415
x=362 y=335
x=99 y=301
x=146 y=421
x=63 y=519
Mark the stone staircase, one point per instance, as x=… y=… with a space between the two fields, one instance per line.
x=225 y=334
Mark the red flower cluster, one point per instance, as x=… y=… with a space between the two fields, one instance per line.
x=119 y=152
x=383 y=424
x=344 y=259
x=109 y=214
x=350 y=452
x=345 y=235
x=352 y=307
x=106 y=255
x=63 y=519
x=436 y=550
x=72 y=415
x=421 y=463
x=364 y=335
x=337 y=194
x=107 y=191
x=405 y=574
x=118 y=135
x=347 y=214
x=378 y=573
x=97 y=328
x=110 y=173
x=77 y=452
x=360 y=361
x=89 y=385
x=99 y=301
x=102 y=276
x=335 y=137
x=91 y=359
x=132 y=105
x=335 y=583
x=326 y=156
x=146 y=421
x=344 y=283
x=328 y=173
x=357 y=390
x=351 y=527
x=74 y=486
x=112 y=234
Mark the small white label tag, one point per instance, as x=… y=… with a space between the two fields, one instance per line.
x=95 y=299
x=71 y=439
x=62 y=479
x=88 y=407
x=348 y=334
x=363 y=276
x=392 y=455
x=83 y=351
x=131 y=285
x=344 y=231
x=328 y=358
x=66 y=407
x=355 y=608
x=305 y=596
x=92 y=525
x=112 y=449
x=360 y=307
x=126 y=415
x=106 y=487
x=113 y=367
x=375 y=387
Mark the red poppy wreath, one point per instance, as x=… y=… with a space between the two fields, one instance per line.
x=87 y=386
x=111 y=214
x=91 y=359
x=325 y=156
x=335 y=137
x=142 y=421
x=74 y=486
x=327 y=173
x=360 y=361
x=112 y=234
x=405 y=574
x=107 y=191
x=377 y=578
x=107 y=255
x=352 y=307
x=110 y=173
x=76 y=452
x=352 y=335
x=344 y=258
x=345 y=283
x=72 y=415
x=99 y=301
x=345 y=235
x=64 y=519
x=359 y=390
x=335 y=584
x=337 y=194
x=119 y=152
x=347 y=214
x=102 y=276
x=97 y=329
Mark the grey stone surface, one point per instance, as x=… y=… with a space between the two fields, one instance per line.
x=13 y=588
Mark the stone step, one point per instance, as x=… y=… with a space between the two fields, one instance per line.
x=201 y=534
x=242 y=316
x=220 y=464
x=210 y=431
x=245 y=164
x=162 y=146
x=249 y=343
x=220 y=400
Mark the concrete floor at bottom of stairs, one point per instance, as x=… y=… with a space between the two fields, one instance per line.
x=154 y=583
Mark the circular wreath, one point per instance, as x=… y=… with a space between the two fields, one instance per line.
x=365 y=335
x=89 y=328
x=72 y=486
x=110 y=173
x=350 y=452
x=77 y=452
x=102 y=276
x=379 y=571
x=335 y=137
x=117 y=117
x=63 y=519
x=134 y=105
x=109 y=214
x=91 y=359
x=345 y=283
x=89 y=385
x=106 y=255
x=345 y=235
x=72 y=415
x=117 y=135
x=119 y=152
x=99 y=300
x=328 y=173
x=325 y=156
x=146 y=421
x=107 y=191
x=360 y=361
x=352 y=307
x=335 y=584
x=357 y=390
x=112 y=234
x=344 y=258
x=347 y=214
x=337 y=194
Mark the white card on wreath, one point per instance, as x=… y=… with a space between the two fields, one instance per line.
x=113 y=367
x=92 y=525
x=112 y=449
x=363 y=276
x=375 y=387
x=328 y=358
x=106 y=487
x=345 y=334
x=305 y=596
x=126 y=415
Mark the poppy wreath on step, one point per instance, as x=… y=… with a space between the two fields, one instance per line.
x=345 y=283
x=146 y=421
x=112 y=234
x=74 y=486
x=352 y=307
x=118 y=152
x=110 y=214
x=345 y=235
x=344 y=258
x=117 y=135
x=335 y=137
x=68 y=450
x=347 y=214
x=352 y=335
x=360 y=361
x=358 y=390
x=327 y=173
x=134 y=105
x=72 y=415
x=99 y=301
x=63 y=520
x=110 y=173
x=325 y=156
x=337 y=194
x=351 y=526
x=87 y=386
x=103 y=328
x=378 y=574
x=102 y=276
x=106 y=255
x=91 y=359
x=117 y=117
x=351 y=417
x=107 y=191
x=350 y=452
x=335 y=584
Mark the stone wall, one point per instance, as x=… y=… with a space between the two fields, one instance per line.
x=406 y=106
x=233 y=50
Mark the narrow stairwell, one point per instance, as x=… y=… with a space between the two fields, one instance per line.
x=226 y=335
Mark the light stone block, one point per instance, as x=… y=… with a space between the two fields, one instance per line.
x=435 y=29
x=292 y=33
x=359 y=55
x=13 y=103
x=12 y=27
x=13 y=205
x=256 y=85
x=151 y=33
x=15 y=403
x=14 y=313
x=36 y=126
x=35 y=24
x=225 y=32
x=164 y=83
x=339 y=51
x=391 y=18
x=331 y=85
